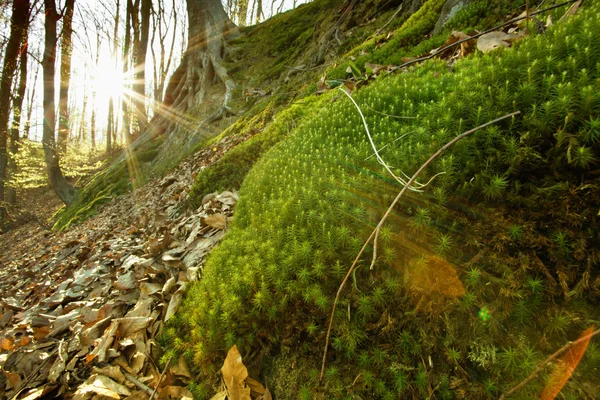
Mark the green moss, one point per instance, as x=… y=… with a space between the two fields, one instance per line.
x=310 y=202
x=230 y=171
x=103 y=187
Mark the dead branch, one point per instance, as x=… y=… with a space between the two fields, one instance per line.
x=547 y=360
x=512 y=21
x=386 y=215
x=161 y=377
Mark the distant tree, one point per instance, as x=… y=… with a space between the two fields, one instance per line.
x=11 y=194
x=19 y=23
x=65 y=76
x=63 y=189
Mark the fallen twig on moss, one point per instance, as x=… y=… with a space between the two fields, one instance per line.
x=547 y=360
x=386 y=215
x=512 y=21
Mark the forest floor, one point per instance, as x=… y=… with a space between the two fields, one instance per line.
x=123 y=269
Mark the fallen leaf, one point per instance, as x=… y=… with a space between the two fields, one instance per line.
x=217 y=221
x=102 y=386
x=493 y=40
x=112 y=371
x=234 y=374
x=220 y=396
x=572 y=10
x=175 y=302
x=13 y=379
x=181 y=369
x=7 y=343
x=126 y=281
x=177 y=392
x=565 y=366
x=256 y=388
x=130 y=325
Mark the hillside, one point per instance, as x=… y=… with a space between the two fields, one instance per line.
x=460 y=288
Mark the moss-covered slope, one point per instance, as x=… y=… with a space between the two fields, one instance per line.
x=478 y=278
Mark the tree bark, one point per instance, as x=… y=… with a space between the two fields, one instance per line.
x=111 y=102
x=63 y=189
x=140 y=66
x=126 y=100
x=19 y=21
x=17 y=111
x=65 y=77
x=31 y=101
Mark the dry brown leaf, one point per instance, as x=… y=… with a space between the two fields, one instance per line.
x=13 y=379
x=256 y=388
x=105 y=343
x=126 y=281
x=112 y=371
x=181 y=369
x=24 y=341
x=175 y=302
x=494 y=40
x=101 y=385
x=131 y=325
x=572 y=10
x=59 y=364
x=217 y=221
x=234 y=374
x=176 y=392
x=566 y=366
x=7 y=343
x=267 y=395
x=220 y=396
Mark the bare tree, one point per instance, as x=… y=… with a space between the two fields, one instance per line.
x=65 y=76
x=17 y=108
x=59 y=184
x=19 y=21
x=111 y=129
x=163 y=64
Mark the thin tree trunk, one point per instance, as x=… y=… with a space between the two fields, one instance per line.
x=80 y=136
x=19 y=21
x=17 y=111
x=59 y=184
x=31 y=101
x=111 y=101
x=93 y=119
x=126 y=98
x=65 y=77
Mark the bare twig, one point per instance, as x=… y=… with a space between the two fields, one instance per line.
x=547 y=360
x=33 y=373
x=386 y=215
x=137 y=383
x=512 y=21
x=161 y=377
x=390 y=20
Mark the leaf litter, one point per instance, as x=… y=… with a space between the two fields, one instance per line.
x=81 y=310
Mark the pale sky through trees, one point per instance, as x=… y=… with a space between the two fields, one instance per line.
x=90 y=18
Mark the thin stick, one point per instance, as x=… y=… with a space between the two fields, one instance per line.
x=386 y=215
x=390 y=20
x=512 y=21
x=137 y=383
x=33 y=373
x=161 y=377
x=547 y=360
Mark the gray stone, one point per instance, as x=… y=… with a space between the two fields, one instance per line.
x=448 y=11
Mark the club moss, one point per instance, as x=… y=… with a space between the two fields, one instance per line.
x=456 y=305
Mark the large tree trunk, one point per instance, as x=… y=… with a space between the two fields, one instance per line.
x=65 y=77
x=63 y=189
x=209 y=26
x=19 y=21
x=11 y=195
